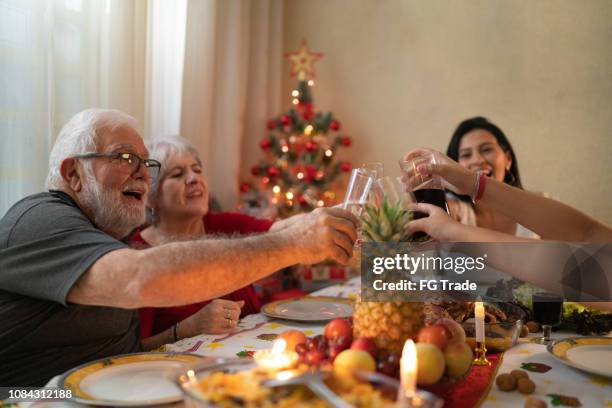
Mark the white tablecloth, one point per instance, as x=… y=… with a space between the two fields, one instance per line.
x=256 y=332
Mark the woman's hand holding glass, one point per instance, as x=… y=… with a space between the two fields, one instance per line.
x=438 y=225
x=454 y=177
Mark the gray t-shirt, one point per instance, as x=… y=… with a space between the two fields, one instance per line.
x=46 y=244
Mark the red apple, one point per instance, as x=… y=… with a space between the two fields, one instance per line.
x=438 y=335
x=343 y=342
x=314 y=357
x=454 y=328
x=334 y=350
x=338 y=327
x=365 y=344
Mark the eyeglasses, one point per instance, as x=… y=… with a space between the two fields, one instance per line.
x=129 y=161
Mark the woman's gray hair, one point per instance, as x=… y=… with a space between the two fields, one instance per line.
x=79 y=136
x=161 y=149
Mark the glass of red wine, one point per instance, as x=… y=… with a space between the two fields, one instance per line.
x=425 y=188
x=547 y=310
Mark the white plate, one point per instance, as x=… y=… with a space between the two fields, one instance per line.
x=590 y=354
x=128 y=380
x=309 y=309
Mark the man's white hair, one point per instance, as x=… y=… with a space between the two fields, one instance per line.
x=79 y=136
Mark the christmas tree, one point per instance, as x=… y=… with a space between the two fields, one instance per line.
x=301 y=150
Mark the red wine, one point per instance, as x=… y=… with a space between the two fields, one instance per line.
x=433 y=196
x=547 y=308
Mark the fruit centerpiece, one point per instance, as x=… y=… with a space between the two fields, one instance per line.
x=390 y=323
x=441 y=350
x=384 y=326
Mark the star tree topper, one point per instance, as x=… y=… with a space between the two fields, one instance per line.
x=302 y=61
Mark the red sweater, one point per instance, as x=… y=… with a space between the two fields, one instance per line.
x=154 y=320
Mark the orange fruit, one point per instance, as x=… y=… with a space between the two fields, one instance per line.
x=293 y=338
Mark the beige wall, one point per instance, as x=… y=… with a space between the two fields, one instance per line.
x=401 y=74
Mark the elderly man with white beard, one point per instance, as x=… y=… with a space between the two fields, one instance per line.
x=69 y=287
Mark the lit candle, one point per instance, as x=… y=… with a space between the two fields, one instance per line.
x=479 y=314
x=479 y=323
x=408 y=370
x=192 y=378
x=277 y=358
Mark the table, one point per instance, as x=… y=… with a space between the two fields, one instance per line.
x=257 y=332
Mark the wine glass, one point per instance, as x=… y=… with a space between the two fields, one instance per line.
x=547 y=310
x=357 y=194
x=358 y=190
x=376 y=168
x=425 y=189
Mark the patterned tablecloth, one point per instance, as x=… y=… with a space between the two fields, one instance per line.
x=256 y=332
x=557 y=384
x=560 y=385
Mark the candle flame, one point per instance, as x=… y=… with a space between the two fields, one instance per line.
x=478 y=307
x=192 y=377
x=279 y=346
x=285 y=375
x=408 y=368
x=408 y=362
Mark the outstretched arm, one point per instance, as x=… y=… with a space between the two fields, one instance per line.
x=193 y=271
x=549 y=218
x=529 y=264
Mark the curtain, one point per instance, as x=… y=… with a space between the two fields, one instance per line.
x=164 y=68
x=57 y=58
x=231 y=84
x=209 y=70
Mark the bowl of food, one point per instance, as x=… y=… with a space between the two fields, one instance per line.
x=503 y=325
x=230 y=383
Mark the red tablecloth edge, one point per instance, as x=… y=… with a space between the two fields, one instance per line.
x=471 y=390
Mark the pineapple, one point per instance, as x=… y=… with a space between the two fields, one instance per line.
x=385 y=224
x=390 y=323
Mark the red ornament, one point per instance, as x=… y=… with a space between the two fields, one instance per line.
x=256 y=170
x=273 y=171
x=311 y=173
x=264 y=144
x=311 y=146
x=245 y=187
x=285 y=120
x=346 y=141
x=305 y=109
x=302 y=201
x=346 y=166
x=334 y=125
x=271 y=124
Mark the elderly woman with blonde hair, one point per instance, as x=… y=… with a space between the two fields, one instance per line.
x=178 y=201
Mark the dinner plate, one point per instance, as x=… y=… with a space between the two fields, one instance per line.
x=127 y=380
x=590 y=354
x=309 y=309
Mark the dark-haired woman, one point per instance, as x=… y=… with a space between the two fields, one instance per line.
x=480 y=145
